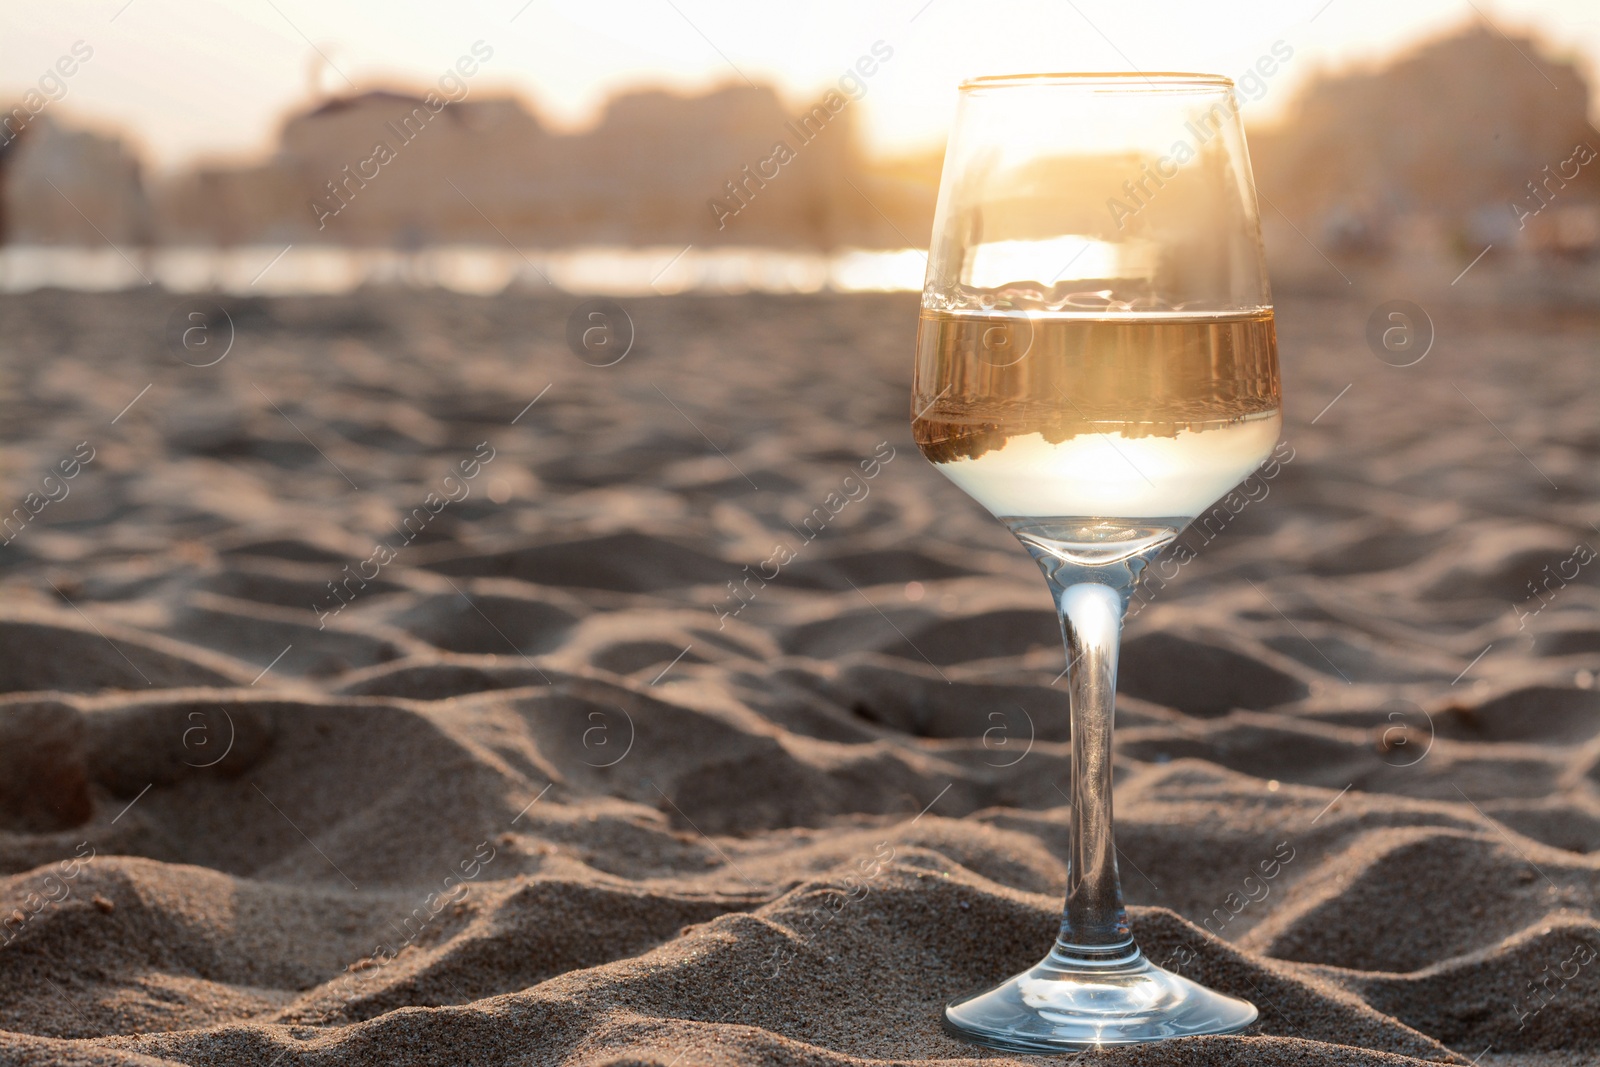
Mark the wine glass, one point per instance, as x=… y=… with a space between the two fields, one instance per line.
x=1096 y=366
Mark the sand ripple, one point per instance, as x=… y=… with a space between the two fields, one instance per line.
x=589 y=771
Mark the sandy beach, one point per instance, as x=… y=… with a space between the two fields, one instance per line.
x=403 y=689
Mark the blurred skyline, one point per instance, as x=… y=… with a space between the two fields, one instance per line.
x=214 y=81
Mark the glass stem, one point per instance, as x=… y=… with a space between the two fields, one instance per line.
x=1094 y=924
x=1092 y=567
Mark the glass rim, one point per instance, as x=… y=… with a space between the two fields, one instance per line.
x=1165 y=79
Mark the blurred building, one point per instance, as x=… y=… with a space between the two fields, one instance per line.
x=385 y=168
x=1470 y=140
x=1466 y=141
x=67 y=186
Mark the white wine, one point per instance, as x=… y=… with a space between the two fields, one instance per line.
x=1046 y=414
x=1054 y=386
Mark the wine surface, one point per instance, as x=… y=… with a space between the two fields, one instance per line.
x=1116 y=416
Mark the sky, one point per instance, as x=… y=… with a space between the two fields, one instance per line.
x=189 y=80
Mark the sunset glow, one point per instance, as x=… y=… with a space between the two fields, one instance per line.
x=214 y=79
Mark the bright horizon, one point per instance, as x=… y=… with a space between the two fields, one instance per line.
x=186 y=81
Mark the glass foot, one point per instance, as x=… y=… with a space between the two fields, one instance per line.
x=1063 y=1003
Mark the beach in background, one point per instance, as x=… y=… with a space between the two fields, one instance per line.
x=404 y=688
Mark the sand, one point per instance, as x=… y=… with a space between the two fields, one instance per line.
x=536 y=785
